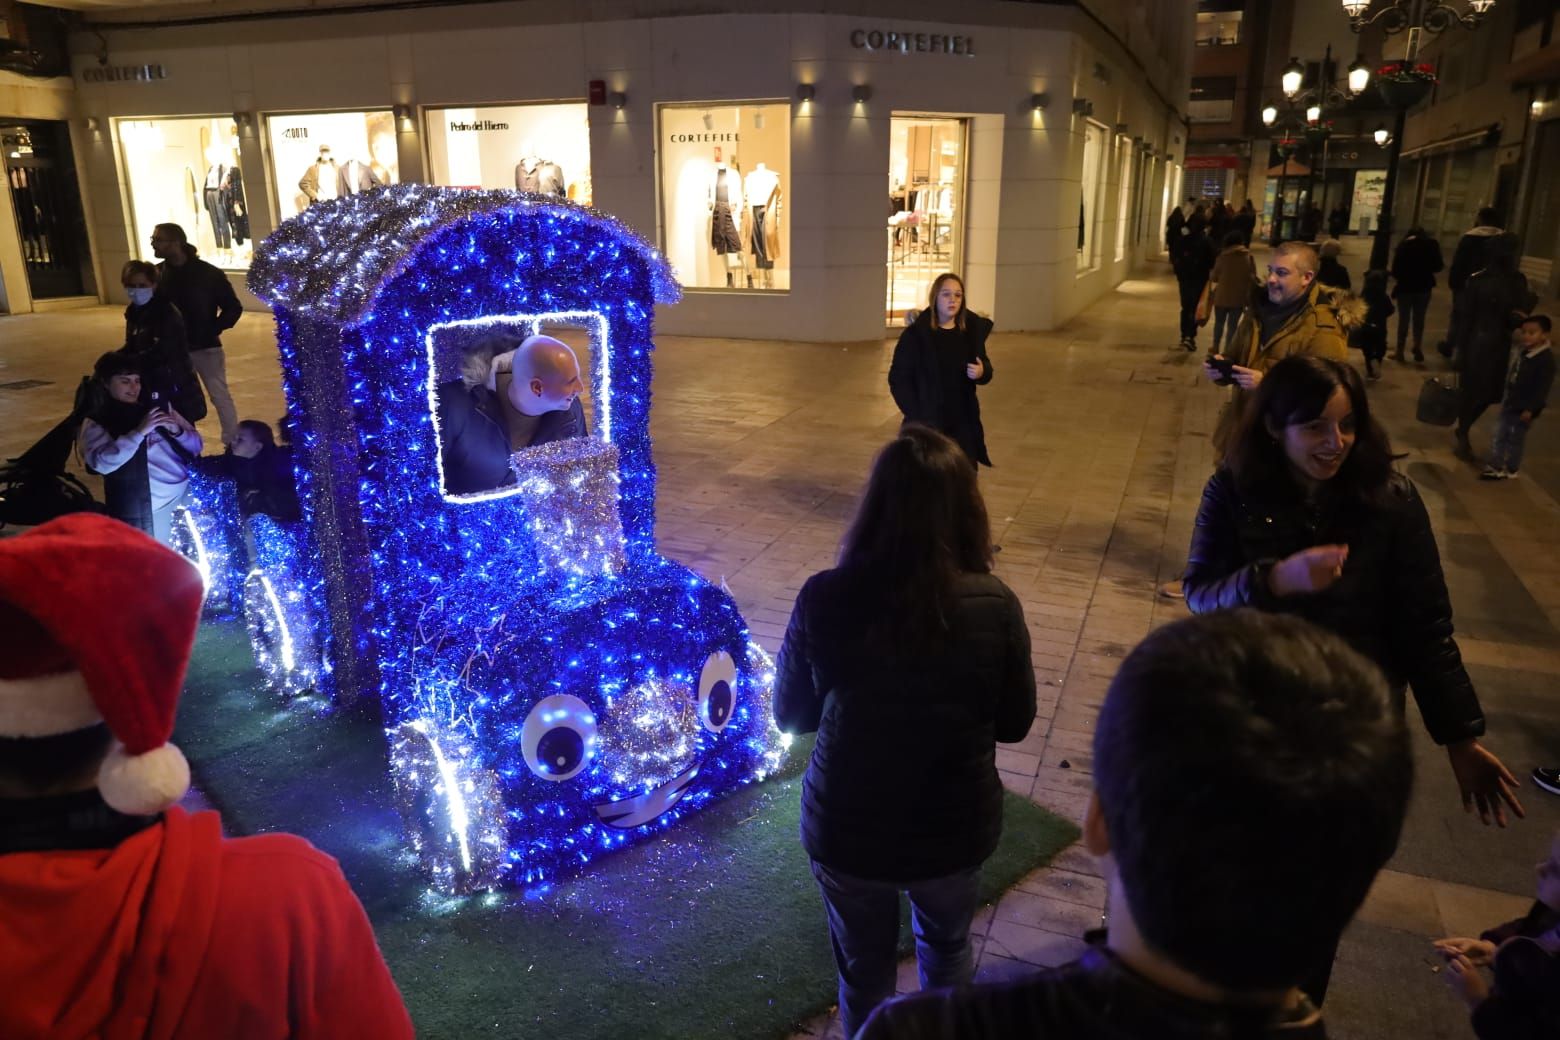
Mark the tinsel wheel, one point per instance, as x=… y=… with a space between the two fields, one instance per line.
x=197 y=536
x=280 y=634
x=453 y=813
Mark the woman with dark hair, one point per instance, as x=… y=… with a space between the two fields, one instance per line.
x=154 y=336
x=911 y=661
x=1308 y=517
x=939 y=361
x=143 y=450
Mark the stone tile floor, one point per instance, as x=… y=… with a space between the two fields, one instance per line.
x=1100 y=434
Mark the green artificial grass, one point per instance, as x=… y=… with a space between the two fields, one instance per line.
x=714 y=929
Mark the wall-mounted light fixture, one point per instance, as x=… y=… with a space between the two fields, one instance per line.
x=403 y=119
x=245 y=123
x=805 y=92
x=1122 y=128
x=861 y=93
x=709 y=120
x=1382 y=136
x=1080 y=106
x=94 y=125
x=1039 y=101
x=758 y=120
x=618 y=99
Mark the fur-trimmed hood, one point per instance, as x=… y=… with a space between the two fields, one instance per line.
x=1349 y=308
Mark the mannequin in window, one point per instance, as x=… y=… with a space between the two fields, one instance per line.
x=237 y=207
x=319 y=182
x=725 y=200
x=762 y=188
x=214 y=199
x=356 y=176
x=537 y=175
x=386 y=153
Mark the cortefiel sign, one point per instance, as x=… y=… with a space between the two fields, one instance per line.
x=912 y=42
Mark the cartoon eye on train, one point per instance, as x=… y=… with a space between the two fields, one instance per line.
x=552 y=687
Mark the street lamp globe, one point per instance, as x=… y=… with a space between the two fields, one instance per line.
x=1269 y=115
x=1313 y=113
x=1294 y=72
x=1359 y=76
x=1382 y=136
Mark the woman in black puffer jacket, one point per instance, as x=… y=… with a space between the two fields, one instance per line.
x=938 y=362
x=910 y=660
x=1308 y=517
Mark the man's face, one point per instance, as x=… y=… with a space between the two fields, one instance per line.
x=553 y=386
x=126 y=388
x=164 y=245
x=1286 y=283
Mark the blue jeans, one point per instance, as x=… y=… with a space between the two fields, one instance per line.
x=1510 y=438
x=1225 y=319
x=864 y=928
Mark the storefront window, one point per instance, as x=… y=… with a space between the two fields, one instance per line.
x=1124 y=195
x=540 y=148
x=1089 y=205
x=186 y=172
x=725 y=172
x=926 y=207
x=319 y=156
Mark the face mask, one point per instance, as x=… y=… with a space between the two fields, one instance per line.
x=141 y=297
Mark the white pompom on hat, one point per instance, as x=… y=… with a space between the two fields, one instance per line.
x=97 y=622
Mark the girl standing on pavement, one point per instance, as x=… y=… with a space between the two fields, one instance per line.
x=911 y=661
x=939 y=361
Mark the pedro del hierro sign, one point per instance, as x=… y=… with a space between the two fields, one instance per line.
x=912 y=42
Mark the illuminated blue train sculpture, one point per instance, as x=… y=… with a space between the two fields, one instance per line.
x=552 y=687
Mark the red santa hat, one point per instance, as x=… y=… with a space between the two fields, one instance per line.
x=96 y=625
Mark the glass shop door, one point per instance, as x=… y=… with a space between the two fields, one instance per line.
x=927 y=162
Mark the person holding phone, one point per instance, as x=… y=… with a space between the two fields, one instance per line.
x=1307 y=516
x=939 y=361
x=143 y=450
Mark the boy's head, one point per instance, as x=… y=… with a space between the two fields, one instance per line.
x=1233 y=239
x=1534 y=331
x=1251 y=777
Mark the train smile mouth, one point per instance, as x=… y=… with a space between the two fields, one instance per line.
x=641 y=809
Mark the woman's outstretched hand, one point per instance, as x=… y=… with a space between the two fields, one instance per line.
x=1485 y=782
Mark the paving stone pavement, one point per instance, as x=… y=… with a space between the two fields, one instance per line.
x=1100 y=434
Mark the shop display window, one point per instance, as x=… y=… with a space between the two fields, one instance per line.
x=1124 y=196
x=725 y=171
x=319 y=156
x=540 y=148
x=926 y=172
x=1089 y=206
x=186 y=172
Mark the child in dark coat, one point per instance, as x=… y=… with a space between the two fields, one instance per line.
x=1527 y=391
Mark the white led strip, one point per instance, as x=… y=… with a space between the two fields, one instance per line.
x=289 y=661
x=459 y=820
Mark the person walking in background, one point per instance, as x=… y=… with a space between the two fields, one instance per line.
x=1193 y=264
x=911 y=662
x=1234 y=279
x=1371 y=337
x=1337 y=220
x=1234 y=852
x=210 y=307
x=1488 y=310
x=1415 y=263
x=142 y=449
x=1174 y=224
x=1468 y=259
x=1527 y=391
x=155 y=337
x=1311 y=222
x=1218 y=220
x=124 y=915
x=1246 y=221
x=1331 y=270
x=938 y=362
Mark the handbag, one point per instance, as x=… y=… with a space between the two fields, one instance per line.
x=1437 y=402
x=1203 y=308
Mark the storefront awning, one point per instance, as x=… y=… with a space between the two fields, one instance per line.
x=1484 y=135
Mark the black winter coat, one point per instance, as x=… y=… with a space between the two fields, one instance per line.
x=204 y=296
x=1415 y=264
x=1489 y=309
x=1391 y=603
x=155 y=335
x=472 y=439
x=902 y=784
x=926 y=392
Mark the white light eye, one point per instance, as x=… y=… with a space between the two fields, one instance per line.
x=558 y=739
x=717 y=691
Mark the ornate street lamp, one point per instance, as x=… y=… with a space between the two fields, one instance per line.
x=1382 y=135
x=1294 y=73
x=1405 y=83
x=1314 y=126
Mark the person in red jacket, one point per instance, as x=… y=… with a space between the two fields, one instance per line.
x=122 y=915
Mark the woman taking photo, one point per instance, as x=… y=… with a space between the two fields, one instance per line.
x=938 y=363
x=155 y=337
x=143 y=451
x=910 y=660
